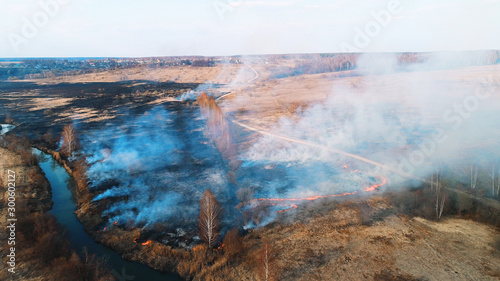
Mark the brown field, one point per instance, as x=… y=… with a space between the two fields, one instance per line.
x=337 y=246
x=264 y=101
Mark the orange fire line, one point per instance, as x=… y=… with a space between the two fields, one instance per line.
x=145 y=243
x=312 y=198
x=375 y=186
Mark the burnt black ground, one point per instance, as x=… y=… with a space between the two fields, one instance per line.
x=196 y=156
x=120 y=97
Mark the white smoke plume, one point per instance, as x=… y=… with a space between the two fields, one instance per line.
x=434 y=113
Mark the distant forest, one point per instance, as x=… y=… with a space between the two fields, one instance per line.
x=36 y=68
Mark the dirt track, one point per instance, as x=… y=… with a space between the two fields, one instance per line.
x=308 y=143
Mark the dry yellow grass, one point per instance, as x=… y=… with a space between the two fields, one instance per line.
x=264 y=102
x=220 y=74
x=335 y=246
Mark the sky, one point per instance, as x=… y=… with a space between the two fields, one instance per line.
x=126 y=28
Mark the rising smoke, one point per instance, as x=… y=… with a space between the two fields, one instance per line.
x=413 y=118
x=155 y=167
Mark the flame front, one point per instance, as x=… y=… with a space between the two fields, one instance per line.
x=143 y=244
x=220 y=247
x=375 y=186
x=284 y=201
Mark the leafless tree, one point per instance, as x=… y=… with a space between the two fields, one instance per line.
x=208 y=222
x=440 y=197
x=493 y=180
x=266 y=260
x=498 y=183
x=440 y=205
x=432 y=181
x=474 y=171
x=70 y=140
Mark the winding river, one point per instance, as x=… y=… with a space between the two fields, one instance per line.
x=63 y=210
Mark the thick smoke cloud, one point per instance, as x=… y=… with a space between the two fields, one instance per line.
x=436 y=113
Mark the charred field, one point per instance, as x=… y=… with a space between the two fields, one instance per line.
x=326 y=178
x=42 y=107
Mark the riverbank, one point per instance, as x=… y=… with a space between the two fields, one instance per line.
x=35 y=246
x=81 y=242
x=200 y=263
x=31 y=184
x=156 y=255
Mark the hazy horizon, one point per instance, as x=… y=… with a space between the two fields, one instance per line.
x=65 y=28
x=236 y=55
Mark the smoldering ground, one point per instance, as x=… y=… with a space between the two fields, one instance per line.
x=155 y=166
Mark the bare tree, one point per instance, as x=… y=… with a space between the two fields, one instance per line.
x=208 y=222
x=440 y=205
x=498 y=183
x=493 y=180
x=266 y=261
x=433 y=183
x=474 y=171
x=440 y=197
x=69 y=140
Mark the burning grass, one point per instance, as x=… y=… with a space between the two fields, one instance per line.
x=317 y=228
x=324 y=239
